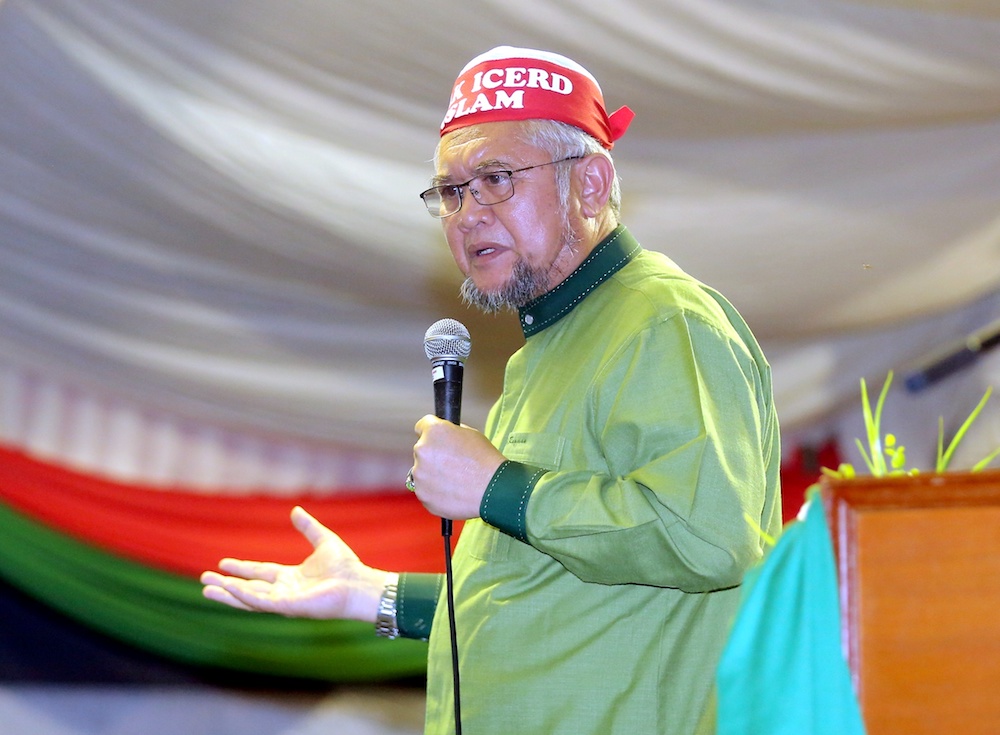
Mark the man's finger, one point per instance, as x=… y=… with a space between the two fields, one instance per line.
x=263 y=570
x=218 y=594
x=314 y=531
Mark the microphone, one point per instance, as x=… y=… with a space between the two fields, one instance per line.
x=447 y=345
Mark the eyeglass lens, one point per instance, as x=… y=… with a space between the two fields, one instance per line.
x=490 y=188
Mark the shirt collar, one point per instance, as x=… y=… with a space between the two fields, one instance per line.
x=617 y=249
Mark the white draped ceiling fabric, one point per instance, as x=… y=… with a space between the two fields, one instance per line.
x=215 y=270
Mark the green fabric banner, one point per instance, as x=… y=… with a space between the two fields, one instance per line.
x=166 y=614
x=783 y=671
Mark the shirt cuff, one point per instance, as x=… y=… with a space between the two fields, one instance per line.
x=505 y=502
x=416 y=599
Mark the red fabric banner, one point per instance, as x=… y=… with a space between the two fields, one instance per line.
x=187 y=532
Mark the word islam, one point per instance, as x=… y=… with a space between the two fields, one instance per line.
x=489 y=88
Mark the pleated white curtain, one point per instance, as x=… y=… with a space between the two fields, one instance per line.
x=210 y=234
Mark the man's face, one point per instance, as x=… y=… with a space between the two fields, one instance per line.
x=522 y=243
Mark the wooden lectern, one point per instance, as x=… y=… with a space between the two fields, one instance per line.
x=918 y=563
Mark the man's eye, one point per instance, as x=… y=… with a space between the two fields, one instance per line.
x=495 y=180
x=450 y=193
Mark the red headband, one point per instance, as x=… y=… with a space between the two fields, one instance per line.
x=523 y=84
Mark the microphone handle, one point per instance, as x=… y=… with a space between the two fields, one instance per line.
x=447 y=376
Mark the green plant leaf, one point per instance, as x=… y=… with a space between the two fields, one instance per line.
x=844 y=471
x=981 y=464
x=945 y=460
x=878 y=421
x=864 y=455
x=871 y=432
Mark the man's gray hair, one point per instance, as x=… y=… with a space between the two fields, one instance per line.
x=561 y=140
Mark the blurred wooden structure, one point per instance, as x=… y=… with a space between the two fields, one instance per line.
x=918 y=562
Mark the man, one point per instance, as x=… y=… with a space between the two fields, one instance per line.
x=613 y=498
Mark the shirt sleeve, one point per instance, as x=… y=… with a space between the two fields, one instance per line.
x=416 y=600
x=682 y=421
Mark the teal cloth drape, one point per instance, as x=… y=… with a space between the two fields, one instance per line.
x=783 y=671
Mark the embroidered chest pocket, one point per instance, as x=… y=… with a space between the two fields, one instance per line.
x=540 y=450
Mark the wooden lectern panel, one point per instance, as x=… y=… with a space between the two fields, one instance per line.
x=918 y=562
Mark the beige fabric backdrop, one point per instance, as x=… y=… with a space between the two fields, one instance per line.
x=210 y=233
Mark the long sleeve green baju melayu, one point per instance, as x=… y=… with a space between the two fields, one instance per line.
x=595 y=594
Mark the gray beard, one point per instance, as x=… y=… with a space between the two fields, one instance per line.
x=524 y=285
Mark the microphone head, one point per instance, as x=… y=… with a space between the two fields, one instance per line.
x=447 y=339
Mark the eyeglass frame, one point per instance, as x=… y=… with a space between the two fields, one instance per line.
x=460 y=187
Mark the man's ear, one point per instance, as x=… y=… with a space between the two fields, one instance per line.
x=596 y=174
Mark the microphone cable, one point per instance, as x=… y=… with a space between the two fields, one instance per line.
x=453 y=629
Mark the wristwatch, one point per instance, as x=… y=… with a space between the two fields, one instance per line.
x=385 y=619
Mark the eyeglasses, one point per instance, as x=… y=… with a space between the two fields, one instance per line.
x=487 y=189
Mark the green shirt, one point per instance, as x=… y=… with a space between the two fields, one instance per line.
x=595 y=594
